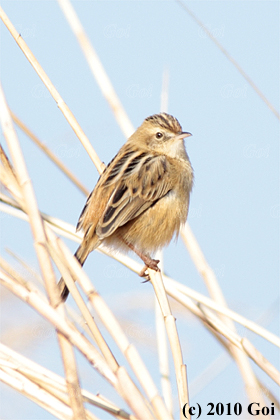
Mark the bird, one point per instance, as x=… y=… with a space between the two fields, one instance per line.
x=142 y=197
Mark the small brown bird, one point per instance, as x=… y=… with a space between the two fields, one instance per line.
x=142 y=197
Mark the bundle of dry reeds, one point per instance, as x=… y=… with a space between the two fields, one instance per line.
x=64 y=397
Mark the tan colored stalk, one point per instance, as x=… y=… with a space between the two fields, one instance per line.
x=89 y=320
x=249 y=378
x=8 y=177
x=62 y=228
x=36 y=394
x=58 y=321
x=125 y=386
x=180 y=367
x=133 y=397
x=13 y=273
x=48 y=397
x=183 y=299
x=38 y=232
x=163 y=358
x=272 y=338
x=117 y=333
x=146 y=381
x=213 y=285
x=258 y=358
x=56 y=96
x=51 y=381
x=50 y=154
x=171 y=285
x=197 y=312
x=219 y=326
x=267 y=393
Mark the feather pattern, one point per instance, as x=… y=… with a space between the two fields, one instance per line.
x=135 y=182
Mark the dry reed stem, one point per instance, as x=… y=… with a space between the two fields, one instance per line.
x=77 y=273
x=202 y=266
x=133 y=396
x=73 y=385
x=68 y=231
x=7 y=167
x=110 y=322
x=88 y=318
x=209 y=373
x=32 y=272
x=50 y=154
x=14 y=209
x=13 y=273
x=73 y=14
x=173 y=287
x=134 y=399
x=58 y=321
x=118 y=413
x=97 y=68
x=8 y=177
x=44 y=259
x=136 y=267
x=35 y=393
x=42 y=394
x=169 y=284
x=260 y=360
x=221 y=328
x=163 y=358
x=272 y=338
x=250 y=381
x=63 y=228
x=53 y=383
x=128 y=388
x=196 y=311
x=63 y=397
x=270 y=395
x=218 y=326
x=56 y=96
x=181 y=378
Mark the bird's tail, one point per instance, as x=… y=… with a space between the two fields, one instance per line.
x=81 y=255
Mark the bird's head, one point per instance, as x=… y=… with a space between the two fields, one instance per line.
x=161 y=133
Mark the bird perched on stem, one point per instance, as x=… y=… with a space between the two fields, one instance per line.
x=142 y=197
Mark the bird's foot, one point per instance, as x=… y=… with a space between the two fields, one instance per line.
x=149 y=263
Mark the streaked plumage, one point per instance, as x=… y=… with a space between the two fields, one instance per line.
x=142 y=197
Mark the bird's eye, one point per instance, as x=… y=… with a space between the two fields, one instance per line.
x=159 y=135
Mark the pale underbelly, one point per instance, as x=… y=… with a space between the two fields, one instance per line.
x=155 y=227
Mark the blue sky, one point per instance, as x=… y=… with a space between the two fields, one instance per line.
x=234 y=209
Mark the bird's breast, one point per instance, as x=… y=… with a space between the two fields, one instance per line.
x=155 y=228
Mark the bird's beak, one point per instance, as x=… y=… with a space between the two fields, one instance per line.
x=183 y=135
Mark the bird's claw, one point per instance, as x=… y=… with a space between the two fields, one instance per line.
x=152 y=264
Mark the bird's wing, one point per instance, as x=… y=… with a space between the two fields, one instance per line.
x=137 y=181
